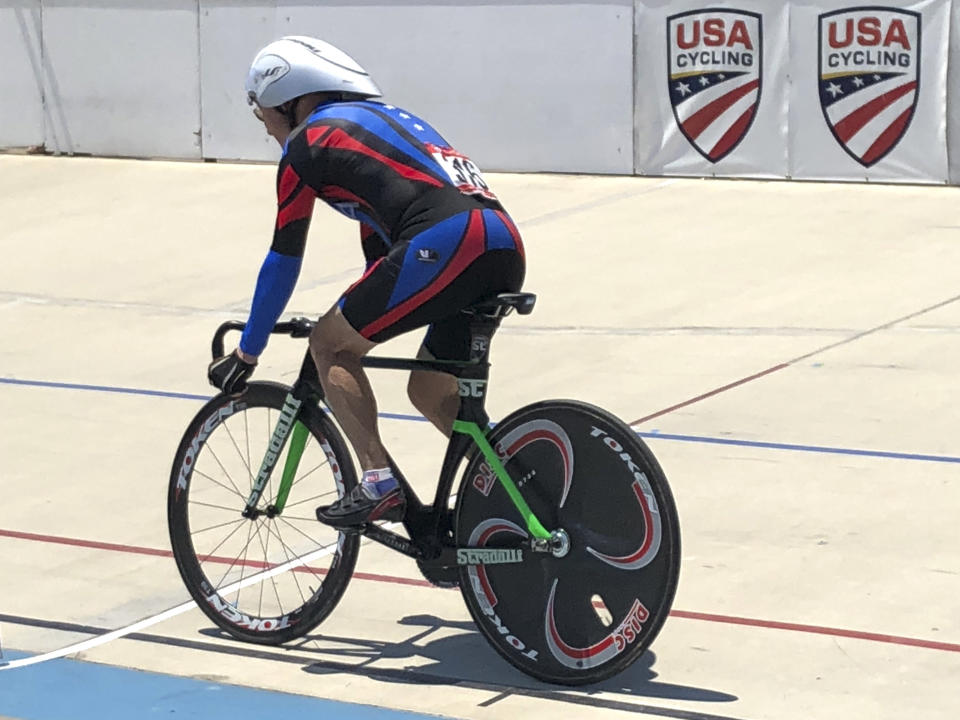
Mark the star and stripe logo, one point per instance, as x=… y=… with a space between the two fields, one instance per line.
x=715 y=75
x=869 y=78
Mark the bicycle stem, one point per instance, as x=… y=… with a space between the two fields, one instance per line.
x=534 y=525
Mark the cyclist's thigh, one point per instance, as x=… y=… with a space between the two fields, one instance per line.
x=431 y=277
x=333 y=333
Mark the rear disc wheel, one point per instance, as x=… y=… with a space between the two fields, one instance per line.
x=589 y=614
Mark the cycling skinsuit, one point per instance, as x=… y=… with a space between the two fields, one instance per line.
x=434 y=236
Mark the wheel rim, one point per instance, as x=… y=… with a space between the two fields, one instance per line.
x=258 y=575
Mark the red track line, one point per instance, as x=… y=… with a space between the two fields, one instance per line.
x=139 y=550
x=94 y=544
x=819 y=630
x=794 y=361
x=716 y=391
x=685 y=614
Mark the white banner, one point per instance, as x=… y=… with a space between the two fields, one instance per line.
x=711 y=88
x=868 y=98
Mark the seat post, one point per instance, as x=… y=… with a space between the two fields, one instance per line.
x=482 y=329
x=472 y=378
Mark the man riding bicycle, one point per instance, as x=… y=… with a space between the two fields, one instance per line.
x=434 y=236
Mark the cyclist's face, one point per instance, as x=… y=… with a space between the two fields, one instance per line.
x=274 y=121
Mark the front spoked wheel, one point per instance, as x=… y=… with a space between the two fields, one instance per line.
x=275 y=576
x=588 y=610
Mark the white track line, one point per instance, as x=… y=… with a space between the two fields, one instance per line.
x=166 y=614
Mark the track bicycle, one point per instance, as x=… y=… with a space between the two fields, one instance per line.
x=563 y=537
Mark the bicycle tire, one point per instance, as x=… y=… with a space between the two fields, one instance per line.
x=186 y=478
x=586 y=616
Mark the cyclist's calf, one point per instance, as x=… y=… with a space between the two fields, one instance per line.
x=435 y=396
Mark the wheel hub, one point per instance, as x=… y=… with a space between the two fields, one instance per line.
x=558 y=544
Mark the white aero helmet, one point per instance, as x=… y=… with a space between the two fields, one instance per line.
x=297 y=65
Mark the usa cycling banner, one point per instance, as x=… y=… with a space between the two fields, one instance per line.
x=868 y=98
x=711 y=88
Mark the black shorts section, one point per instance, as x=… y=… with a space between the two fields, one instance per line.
x=493 y=272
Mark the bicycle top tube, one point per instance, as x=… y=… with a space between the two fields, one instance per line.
x=300 y=327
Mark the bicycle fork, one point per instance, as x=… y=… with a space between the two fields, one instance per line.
x=288 y=427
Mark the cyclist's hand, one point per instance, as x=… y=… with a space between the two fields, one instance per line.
x=230 y=373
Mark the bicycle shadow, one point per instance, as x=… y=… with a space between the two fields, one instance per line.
x=466 y=659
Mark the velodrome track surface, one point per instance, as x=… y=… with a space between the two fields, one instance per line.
x=790 y=351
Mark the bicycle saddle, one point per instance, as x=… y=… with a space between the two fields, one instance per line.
x=503 y=303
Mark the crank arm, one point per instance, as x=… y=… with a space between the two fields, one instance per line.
x=391 y=539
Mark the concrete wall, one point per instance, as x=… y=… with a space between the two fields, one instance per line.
x=21 y=81
x=522 y=85
x=519 y=85
x=122 y=78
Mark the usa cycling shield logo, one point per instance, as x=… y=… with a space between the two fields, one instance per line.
x=715 y=74
x=869 y=78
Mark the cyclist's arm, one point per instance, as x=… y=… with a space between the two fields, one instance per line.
x=281 y=268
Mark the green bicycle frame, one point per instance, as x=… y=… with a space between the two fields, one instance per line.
x=534 y=525
x=290 y=428
x=298 y=441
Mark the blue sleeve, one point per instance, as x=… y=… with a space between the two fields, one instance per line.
x=278 y=276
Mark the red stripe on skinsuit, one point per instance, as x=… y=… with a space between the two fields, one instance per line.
x=364 y=276
x=300 y=208
x=315 y=133
x=288 y=183
x=508 y=222
x=471 y=247
x=334 y=192
x=338 y=139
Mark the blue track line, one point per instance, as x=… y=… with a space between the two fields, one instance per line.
x=919 y=457
x=104 y=388
x=801 y=448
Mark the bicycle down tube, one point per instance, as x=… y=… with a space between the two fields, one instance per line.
x=472 y=420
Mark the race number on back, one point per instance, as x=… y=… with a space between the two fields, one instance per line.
x=461 y=170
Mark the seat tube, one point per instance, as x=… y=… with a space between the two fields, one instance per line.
x=472 y=380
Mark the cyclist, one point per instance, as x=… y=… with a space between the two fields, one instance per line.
x=434 y=236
